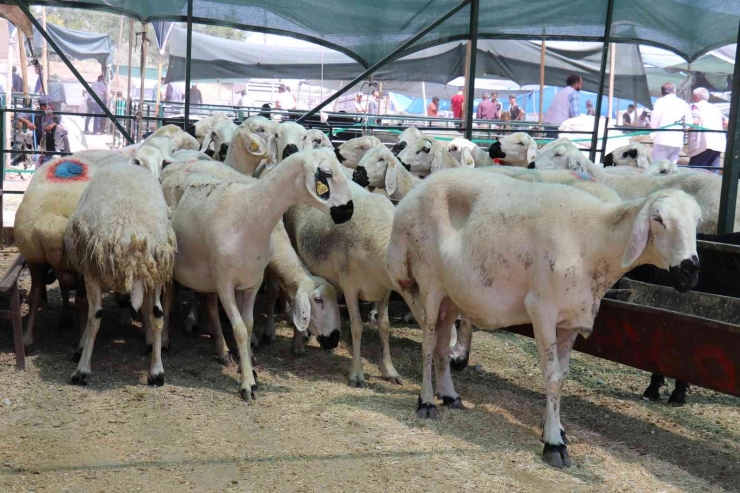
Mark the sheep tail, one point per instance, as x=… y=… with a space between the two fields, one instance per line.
x=137 y=294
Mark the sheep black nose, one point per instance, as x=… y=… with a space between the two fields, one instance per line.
x=686 y=275
x=342 y=213
x=495 y=151
x=608 y=160
x=339 y=156
x=359 y=176
x=532 y=165
x=224 y=150
x=289 y=149
x=398 y=147
x=329 y=342
x=407 y=166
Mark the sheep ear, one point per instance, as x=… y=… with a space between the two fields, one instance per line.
x=390 y=178
x=302 y=310
x=574 y=162
x=466 y=159
x=639 y=237
x=643 y=161
x=532 y=150
x=272 y=157
x=206 y=142
x=307 y=143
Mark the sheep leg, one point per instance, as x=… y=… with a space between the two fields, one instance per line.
x=384 y=327
x=169 y=297
x=434 y=306
x=566 y=339
x=356 y=375
x=298 y=345
x=81 y=306
x=67 y=319
x=241 y=334
x=152 y=320
x=191 y=322
x=38 y=284
x=555 y=452
x=273 y=290
x=94 y=314
x=460 y=352
x=217 y=334
x=445 y=386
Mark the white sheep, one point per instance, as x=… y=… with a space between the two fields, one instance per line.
x=315 y=138
x=350 y=153
x=453 y=250
x=634 y=154
x=662 y=167
x=288 y=138
x=352 y=258
x=40 y=222
x=517 y=149
x=480 y=157
x=264 y=127
x=408 y=136
x=180 y=138
x=120 y=238
x=246 y=151
x=188 y=155
x=220 y=136
x=380 y=169
x=203 y=127
x=224 y=234
x=426 y=156
x=561 y=154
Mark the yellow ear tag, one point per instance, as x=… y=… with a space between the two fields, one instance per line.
x=321 y=189
x=253 y=146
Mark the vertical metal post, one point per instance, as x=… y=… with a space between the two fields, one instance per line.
x=731 y=171
x=188 y=60
x=600 y=94
x=142 y=70
x=470 y=69
x=543 y=50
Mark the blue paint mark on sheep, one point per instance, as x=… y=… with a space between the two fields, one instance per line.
x=68 y=169
x=579 y=175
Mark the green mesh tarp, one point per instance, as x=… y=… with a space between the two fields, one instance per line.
x=77 y=44
x=368 y=30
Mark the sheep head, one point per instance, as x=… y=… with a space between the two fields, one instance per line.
x=373 y=168
x=151 y=158
x=316 y=138
x=517 y=149
x=351 y=152
x=287 y=140
x=633 y=154
x=408 y=136
x=561 y=156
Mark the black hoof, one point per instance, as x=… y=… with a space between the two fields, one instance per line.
x=77 y=355
x=256 y=385
x=459 y=364
x=564 y=437
x=452 y=402
x=247 y=396
x=267 y=340
x=677 y=399
x=226 y=360
x=358 y=383
x=394 y=380
x=652 y=393
x=556 y=455
x=79 y=378
x=156 y=380
x=426 y=410
x=298 y=353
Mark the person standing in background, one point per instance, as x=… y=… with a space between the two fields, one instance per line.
x=39 y=88
x=57 y=95
x=173 y=94
x=630 y=117
x=101 y=91
x=433 y=108
x=705 y=147
x=515 y=112
x=497 y=104
x=669 y=110
x=285 y=100
x=644 y=119
x=487 y=109
x=17 y=81
x=566 y=104
x=195 y=95
x=373 y=104
x=89 y=105
x=458 y=101
x=590 y=111
x=359 y=109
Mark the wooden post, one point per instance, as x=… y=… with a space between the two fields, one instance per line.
x=159 y=89
x=118 y=56
x=612 y=61
x=542 y=78
x=130 y=55
x=24 y=62
x=142 y=69
x=44 y=56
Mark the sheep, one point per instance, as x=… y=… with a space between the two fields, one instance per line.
x=453 y=250
x=180 y=138
x=220 y=135
x=662 y=167
x=315 y=138
x=152 y=154
x=561 y=154
x=408 y=136
x=517 y=149
x=120 y=237
x=480 y=157
x=634 y=154
x=224 y=234
x=352 y=258
x=246 y=151
x=351 y=152
x=380 y=169
x=203 y=127
x=264 y=127
x=426 y=156
x=40 y=222
x=289 y=138
x=188 y=155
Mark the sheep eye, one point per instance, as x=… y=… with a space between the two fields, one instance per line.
x=425 y=150
x=319 y=300
x=317 y=141
x=137 y=162
x=659 y=220
x=521 y=143
x=381 y=160
x=558 y=154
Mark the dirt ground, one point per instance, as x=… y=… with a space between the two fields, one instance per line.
x=308 y=431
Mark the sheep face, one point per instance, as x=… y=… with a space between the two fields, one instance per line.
x=420 y=157
x=351 y=152
x=634 y=154
x=152 y=159
x=220 y=135
x=327 y=187
x=287 y=140
x=517 y=149
x=662 y=168
x=325 y=320
x=372 y=168
x=260 y=126
x=456 y=146
x=315 y=139
x=664 y=234
x=408 y=136
x=561 y=156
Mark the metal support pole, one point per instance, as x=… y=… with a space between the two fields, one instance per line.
x=129 y=104
x=600 y=94
x=612 y=68
x=188 y=61
x=388 y=58
x=470 y=69
x=72 y=69
x=44 y=57
x=543 y=50
x=731 y=171
x=142 y=71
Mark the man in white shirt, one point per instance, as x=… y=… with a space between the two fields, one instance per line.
x=285 y=100
x=705 y=147
x=667 y=111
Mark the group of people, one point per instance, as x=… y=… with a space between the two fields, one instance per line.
x=373 y=103
x=490 y=108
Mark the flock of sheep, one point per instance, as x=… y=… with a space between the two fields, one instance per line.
x=474 y=235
